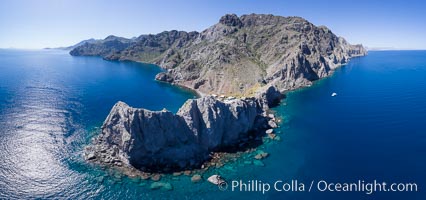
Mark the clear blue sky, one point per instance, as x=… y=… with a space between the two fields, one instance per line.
x=52 y=23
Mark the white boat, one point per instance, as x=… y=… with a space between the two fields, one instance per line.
x=334 y=94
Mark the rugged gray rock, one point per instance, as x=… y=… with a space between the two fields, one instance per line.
x=253 y=56
x=238 y=55
x=161 y=140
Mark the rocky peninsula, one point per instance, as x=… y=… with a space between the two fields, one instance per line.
x=163 y=141
x=241 y=66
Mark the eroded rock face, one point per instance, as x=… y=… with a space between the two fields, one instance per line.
x=164 y=77
x=231 y=20
x=217 y=124
x=163 y=140
x=150 y=138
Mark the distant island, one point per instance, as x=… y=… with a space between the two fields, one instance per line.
x=69 y=48
x=240 y=66
x=236 y=55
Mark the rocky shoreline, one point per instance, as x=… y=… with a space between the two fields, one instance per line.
x=160 y=141
x=220 y=163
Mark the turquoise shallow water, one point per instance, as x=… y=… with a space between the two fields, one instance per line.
x=51 y=104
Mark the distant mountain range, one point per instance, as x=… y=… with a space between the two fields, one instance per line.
x=76 y=45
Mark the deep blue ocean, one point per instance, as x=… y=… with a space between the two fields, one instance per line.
x=52 y=104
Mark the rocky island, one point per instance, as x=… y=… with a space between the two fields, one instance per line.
x=163 y=141
x=254 y=58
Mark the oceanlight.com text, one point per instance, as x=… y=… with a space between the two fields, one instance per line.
x=367 y=187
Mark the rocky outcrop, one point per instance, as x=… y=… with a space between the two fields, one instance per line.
x=253 y=56
x=236 y=56
x=161 y=140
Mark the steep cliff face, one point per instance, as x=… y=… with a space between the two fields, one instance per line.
x=217 y=124
x=158 y=140
x=238 y=55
